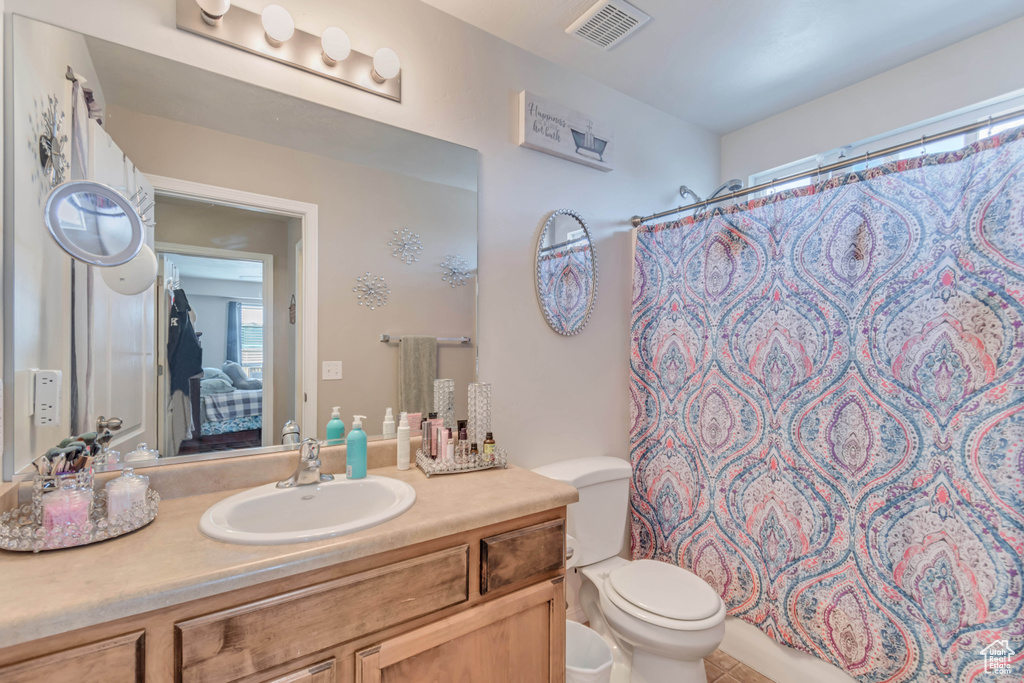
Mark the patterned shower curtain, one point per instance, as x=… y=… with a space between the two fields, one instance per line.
x=827 y=412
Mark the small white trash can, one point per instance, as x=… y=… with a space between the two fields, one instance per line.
x=588 y=659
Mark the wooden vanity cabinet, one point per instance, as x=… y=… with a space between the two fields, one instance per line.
x=113 y=660
x=483 y=605
x=517 y=638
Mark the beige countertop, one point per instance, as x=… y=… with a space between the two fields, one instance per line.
x=171 y=562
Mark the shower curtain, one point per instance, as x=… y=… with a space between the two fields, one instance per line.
x=827 y=412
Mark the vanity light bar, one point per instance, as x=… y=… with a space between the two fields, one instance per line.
x=245 y=30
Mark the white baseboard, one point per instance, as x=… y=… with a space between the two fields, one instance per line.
x=782 y=664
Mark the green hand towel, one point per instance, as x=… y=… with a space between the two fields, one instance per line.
x=417 y=370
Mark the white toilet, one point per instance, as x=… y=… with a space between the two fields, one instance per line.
x=661 y=619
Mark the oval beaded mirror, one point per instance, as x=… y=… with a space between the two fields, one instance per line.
x=566 y=272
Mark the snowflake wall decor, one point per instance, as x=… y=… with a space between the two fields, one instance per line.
x=52 y=156
x=455 y=270
x=371 y=291
x=406 y=246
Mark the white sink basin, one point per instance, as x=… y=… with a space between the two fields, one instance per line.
x=267 y=515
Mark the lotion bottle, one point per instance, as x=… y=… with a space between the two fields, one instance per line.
x=403 y=441
x=335 y=428
x=389 y=424
x=355 y=455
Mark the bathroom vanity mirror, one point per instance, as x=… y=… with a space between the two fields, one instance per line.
x=289 y=236
x=566 y=272
x=94 y=223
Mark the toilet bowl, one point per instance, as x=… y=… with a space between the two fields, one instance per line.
x=655 y=647
x=659 y=619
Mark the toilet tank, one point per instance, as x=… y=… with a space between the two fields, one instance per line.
x=599 y=520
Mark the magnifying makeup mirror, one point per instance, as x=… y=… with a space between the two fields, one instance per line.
x=94 y=223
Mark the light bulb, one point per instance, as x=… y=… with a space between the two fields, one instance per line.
x=212 y=10
x=278 y=25
x=335 y=44
x=385 y=65
x=134 y=277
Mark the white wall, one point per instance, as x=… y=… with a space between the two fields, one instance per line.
x=210 y=299
x=44 y=269
x=554 y=397
x=985 y=66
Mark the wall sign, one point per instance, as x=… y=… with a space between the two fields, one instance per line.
x=562 y=132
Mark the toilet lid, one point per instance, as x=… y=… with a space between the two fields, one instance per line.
x=665 y=590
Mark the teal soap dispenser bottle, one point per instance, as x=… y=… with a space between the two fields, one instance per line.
x=355 y=454
x=335 y=428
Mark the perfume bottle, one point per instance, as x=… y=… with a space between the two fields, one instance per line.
x=488 y=452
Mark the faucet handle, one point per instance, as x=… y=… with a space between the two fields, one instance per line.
x=309 y=449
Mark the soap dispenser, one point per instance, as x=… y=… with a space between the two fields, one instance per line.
x=355 y=454
x=335 y=428
x=389 y=424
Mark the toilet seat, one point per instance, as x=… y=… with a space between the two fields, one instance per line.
x=664 y=595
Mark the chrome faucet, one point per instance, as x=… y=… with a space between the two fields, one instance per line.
x=308 y=471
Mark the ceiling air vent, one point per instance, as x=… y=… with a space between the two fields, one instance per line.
x=608 y=23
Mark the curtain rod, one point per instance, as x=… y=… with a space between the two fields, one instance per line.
x=637 y=221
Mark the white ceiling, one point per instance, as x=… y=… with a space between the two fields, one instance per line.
x=210 y=268
x=724 y=64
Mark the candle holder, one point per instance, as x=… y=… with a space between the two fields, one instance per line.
x=444 y=401
x=479 y=412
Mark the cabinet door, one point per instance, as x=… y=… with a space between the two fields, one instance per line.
x=263 y=635
x=116 y=660
x=519 y=638
x=324 y=672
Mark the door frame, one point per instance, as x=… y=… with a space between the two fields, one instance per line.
x=267 y=286
x=307 y=215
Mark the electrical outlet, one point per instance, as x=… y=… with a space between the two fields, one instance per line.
x=332 y=369
x=47 y=398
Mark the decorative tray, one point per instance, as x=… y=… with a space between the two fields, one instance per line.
x=443 y=466
x=22 y=529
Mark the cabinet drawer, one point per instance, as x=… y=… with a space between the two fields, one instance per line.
x=115 y=660
x=324 y=672
x=228 y=645
x=521 y=554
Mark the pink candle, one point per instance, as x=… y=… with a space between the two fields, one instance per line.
x=65 y=507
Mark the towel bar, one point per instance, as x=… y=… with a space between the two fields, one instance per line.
x=385 y=338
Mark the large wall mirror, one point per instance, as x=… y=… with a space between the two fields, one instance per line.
x=290 y=238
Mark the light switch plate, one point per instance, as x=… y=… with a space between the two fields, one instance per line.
x=332 y=369
x=47 y=398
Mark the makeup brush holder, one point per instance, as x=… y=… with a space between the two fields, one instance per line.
x=430 y=466
x=81 y=522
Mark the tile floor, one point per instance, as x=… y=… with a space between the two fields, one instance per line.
x=722 y=668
